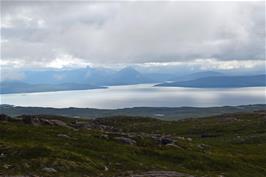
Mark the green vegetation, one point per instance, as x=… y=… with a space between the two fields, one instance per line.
x=165 y=113
x=230 y=145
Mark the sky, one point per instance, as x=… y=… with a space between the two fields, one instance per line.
x=205 y=35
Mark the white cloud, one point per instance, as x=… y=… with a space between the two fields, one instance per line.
x=213 y=64
x=64 y=61
x=209 y=64
x=39 y=34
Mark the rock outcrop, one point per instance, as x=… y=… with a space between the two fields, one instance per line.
x=157 y=174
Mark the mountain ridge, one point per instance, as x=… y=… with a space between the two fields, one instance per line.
x=221 y=82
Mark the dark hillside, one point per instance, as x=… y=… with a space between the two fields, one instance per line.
x=165 y=113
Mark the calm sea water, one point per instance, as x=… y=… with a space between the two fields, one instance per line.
x=140 y=95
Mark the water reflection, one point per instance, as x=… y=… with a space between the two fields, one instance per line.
x=140 y=95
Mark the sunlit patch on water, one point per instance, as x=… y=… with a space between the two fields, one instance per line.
x=140 y=95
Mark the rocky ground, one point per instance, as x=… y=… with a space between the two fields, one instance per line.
x=45 y=145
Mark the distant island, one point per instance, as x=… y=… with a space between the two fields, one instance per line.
x=21 y=87
x=220 y=82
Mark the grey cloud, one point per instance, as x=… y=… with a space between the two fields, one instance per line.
x=134 y=32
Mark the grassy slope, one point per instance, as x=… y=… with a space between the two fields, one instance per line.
x=235 y=146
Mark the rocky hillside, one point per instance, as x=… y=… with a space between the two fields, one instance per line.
x=229 y=145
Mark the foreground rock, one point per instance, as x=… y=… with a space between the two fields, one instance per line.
x=125 y=140
x=32 y=120
x=49 y=170
x=158 y=174
x=4 y=117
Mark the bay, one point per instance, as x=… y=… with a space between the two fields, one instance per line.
x=141 y=95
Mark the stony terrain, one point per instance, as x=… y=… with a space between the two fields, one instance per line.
x=229 y=145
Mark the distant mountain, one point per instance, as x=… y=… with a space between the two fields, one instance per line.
x=128 y=76
x=89 y=77
x=221 y=82
x=76 y=79
x=14 y=87
x=197 y=75
x=98 y=76
x=21 y=87
x=92 y=76
x=159 y=77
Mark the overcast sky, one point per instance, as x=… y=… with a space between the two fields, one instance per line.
x=66 y=34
